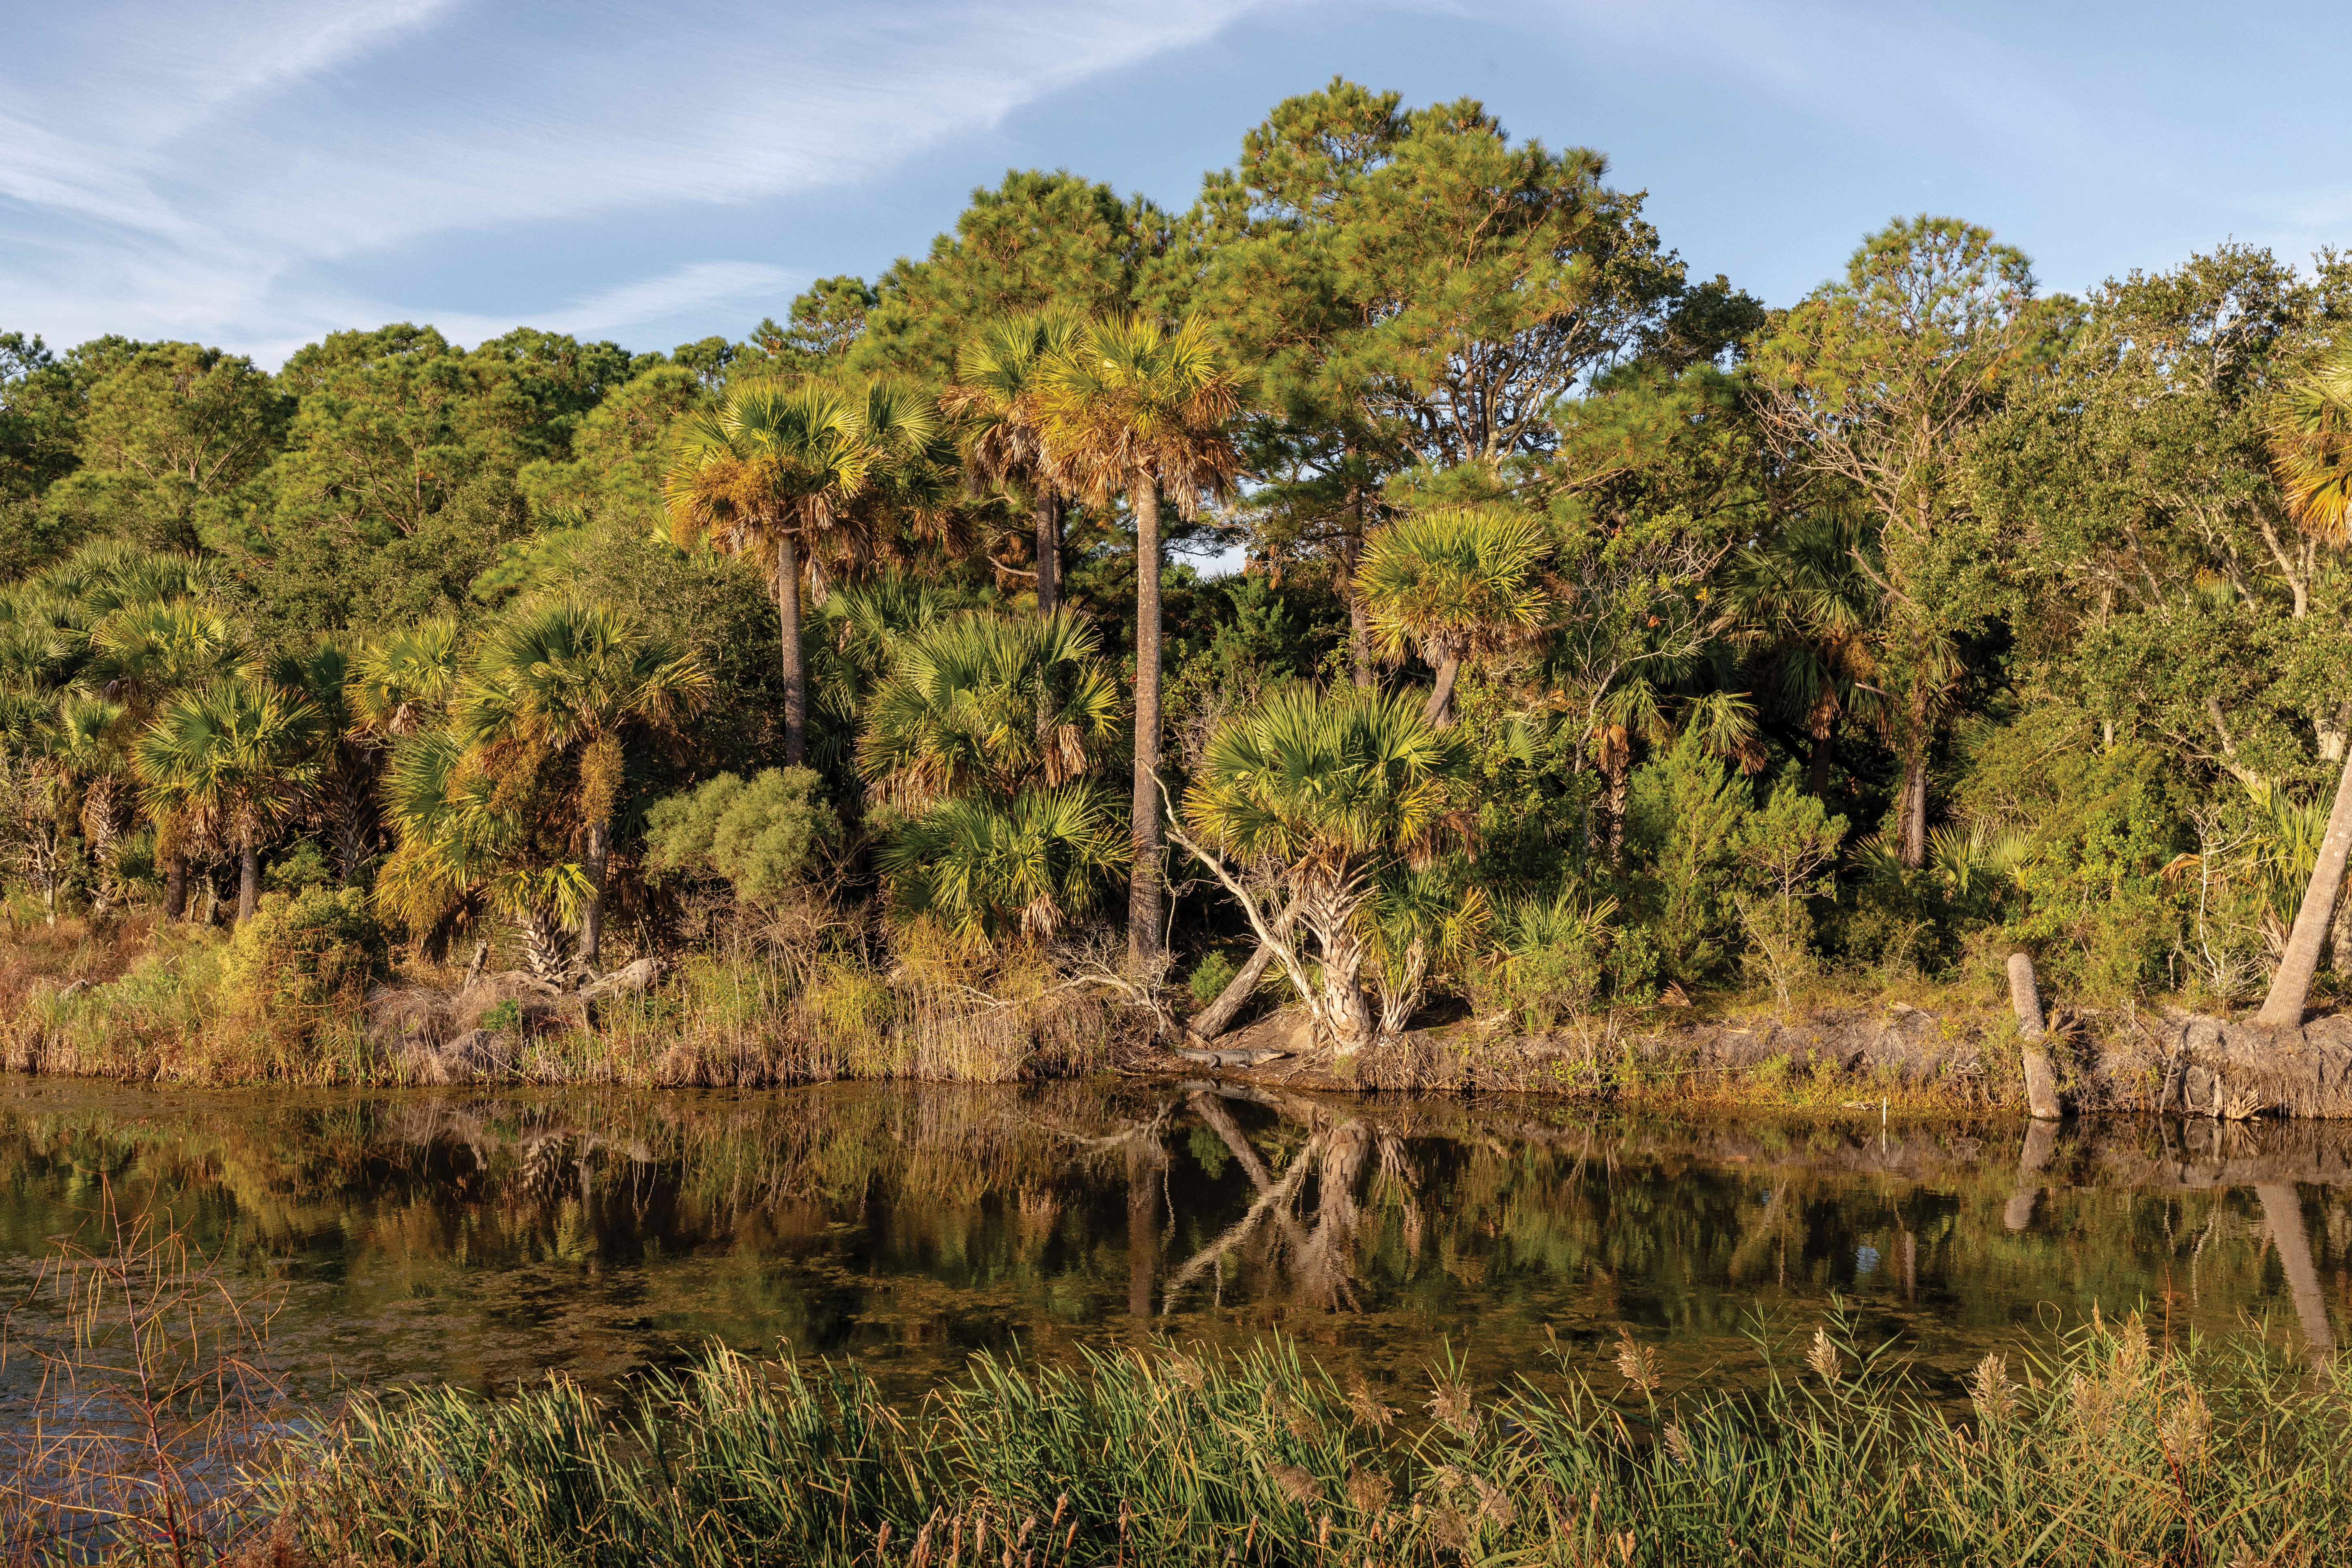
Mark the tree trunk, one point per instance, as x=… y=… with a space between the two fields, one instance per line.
x=1210 y=1021
x=1143 y=902
x=788 y=618
x=543 y=945
x=1915 y=813
x=176 y=889
x=2040 y=1083
x=1049 y=552
x=1347 y=1011
x=2283 y=1008
x=1817 y=766
x=1439 y=710
x=1142 y=1224
x=248 y=881
x=2282 y=1208
x=592 y=917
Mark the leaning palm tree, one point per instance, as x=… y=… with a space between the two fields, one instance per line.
x=773 y=467
x=1134 y=408
x=561 y=690
x=231 y=761
x=996 y=392
x=983 y=704
x=1325 y=796
x=2311 y=448
x=1452 y=583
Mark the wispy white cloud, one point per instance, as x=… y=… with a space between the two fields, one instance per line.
x=235 y=154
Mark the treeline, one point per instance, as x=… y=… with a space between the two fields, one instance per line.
x=1605 y=633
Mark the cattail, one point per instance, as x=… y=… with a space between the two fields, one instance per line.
x=1637 y=1363
x=1823 y=1357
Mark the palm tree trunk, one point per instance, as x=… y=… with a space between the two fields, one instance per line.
x=592 y=917
x=2282 y=1210
x=1439 y=710
x=1915 y=813
x=1049 y=552
x=1210 y=1021
x=1143 y=902
x=1817 y=766
x=176 y=889
x=248 y=881
x=543 y=944
x=788 y=620
x=2283 y=1008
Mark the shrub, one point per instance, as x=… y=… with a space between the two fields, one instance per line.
x=1210 y=976
x=759 y=837
x=303 y=965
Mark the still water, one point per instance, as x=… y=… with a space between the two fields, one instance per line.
x=483 y=1238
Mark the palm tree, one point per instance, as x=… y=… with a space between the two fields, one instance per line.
x=231 y=761
x=324 y=676
x=982 y=704
x=773 y=467
x=566 y=686
x=1329 y=795
x=987 y=869
x=1450 y=582
x=999 y=376
x=470 y=842
x=1803 y=606
x=404 y=680
x=1133 y=408
x=2311 y=448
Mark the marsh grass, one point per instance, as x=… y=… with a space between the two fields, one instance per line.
x=138 y=1396
x=2108 y=1449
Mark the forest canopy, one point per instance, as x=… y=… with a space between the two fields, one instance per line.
x=1596 y=632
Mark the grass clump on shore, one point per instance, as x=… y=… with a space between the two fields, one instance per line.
x=2112 y=1450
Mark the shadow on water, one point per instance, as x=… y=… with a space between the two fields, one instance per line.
x=485 y=1238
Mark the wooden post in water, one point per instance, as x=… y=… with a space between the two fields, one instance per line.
x=2040 y=1083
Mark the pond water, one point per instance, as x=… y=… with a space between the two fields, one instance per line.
x=483 y=1238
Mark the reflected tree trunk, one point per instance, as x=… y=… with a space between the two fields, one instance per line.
x=2040 y=1141
x=2282 y=1210
x=1146 y=1168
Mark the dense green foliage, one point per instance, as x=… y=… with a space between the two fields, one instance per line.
x=2112 y=1451
x=1921 y=617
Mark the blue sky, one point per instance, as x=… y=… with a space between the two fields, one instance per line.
x=256 y=173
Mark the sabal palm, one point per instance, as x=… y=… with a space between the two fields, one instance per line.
x=773 y=465
x=983 y=704
x=1134 y=408
x=2311 y=448
x=1452 y=583
x=779 y=473
x=566 y=686
x=404 y=680
x=1803 y=606
x=324 y=675
x=987 y=869
x=1327 y=793
x=231 y=761
x=466 y=844
x=996 y=394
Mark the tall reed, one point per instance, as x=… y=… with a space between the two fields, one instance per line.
x=2110 y=1450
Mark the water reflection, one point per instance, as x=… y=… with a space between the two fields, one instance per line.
x=484 y=1238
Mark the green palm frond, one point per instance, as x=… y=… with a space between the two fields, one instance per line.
x=982 y=701
x=2311 y=447
x=231 y=760
x=1454 y=580
x=406 y=680
x=1323 y=784
x=1129 y=400
x=988 y=869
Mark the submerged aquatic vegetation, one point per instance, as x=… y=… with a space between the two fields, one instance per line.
x=2112 y=1450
